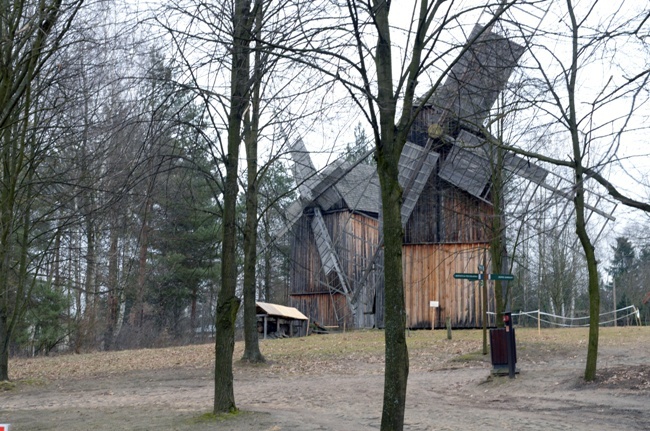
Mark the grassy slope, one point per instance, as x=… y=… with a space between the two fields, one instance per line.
x=324 y=353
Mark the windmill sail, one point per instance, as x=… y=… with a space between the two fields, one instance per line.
x=303 y=170
x=466 y=97
x=409 y=161
x=323 y=242
x=477 y=78
x=466 y=171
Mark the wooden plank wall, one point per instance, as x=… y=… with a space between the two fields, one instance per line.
x=445 y=214
x=322 y=308
x=464 y=218
x=355 y=237
x=428 y=276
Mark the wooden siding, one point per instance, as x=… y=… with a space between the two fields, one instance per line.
x=429 y=276
x=355 y=238
x=323 y=308
x=446 y=214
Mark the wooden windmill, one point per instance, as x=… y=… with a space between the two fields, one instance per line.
x=446 y=172
x=444 y=210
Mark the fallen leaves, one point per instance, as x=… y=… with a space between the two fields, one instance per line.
x=109 y=363
x=356 y=352
x=634 y=377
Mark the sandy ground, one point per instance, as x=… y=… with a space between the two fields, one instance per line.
x=445 y=392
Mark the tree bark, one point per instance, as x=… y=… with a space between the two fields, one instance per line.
x=388 y=153
x=397 y=361
x=594 y=291
x=136 y=317
x=251 y=340
x=267 y=261
x=227 y=301
x=497 y=231
x=113 y=302
x=579 y=202
x=4 y=346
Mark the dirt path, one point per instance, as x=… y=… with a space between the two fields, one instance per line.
x=454 y=394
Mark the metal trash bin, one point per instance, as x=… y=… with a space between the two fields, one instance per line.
x=499 y=350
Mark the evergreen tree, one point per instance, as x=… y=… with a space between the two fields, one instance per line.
x=624 y=259
x=624 y=288
x=360 y=146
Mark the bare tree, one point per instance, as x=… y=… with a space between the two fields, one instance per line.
x=366 y=70
x=32 y=32
x=594 y=139
x=228 y=302
x=251 y=135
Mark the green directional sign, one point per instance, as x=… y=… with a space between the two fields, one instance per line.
x=501 y=277
x=468 y=276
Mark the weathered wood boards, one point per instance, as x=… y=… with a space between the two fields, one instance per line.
x=447 y=208
x=320 y=295
x=429 y=276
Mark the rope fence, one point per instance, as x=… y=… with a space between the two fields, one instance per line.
x=552 y=319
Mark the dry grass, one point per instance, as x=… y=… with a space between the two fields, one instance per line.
x=324 y=353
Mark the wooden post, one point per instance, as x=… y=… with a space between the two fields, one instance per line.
x=485 y=301
x=614 y=292
x=433 y=305
x=307 y=330
x=265 y=326
x=408 y=327
x=539 y=322
x=448 y=328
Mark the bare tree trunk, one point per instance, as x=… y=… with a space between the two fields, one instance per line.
x=579 y=201
x=112 y=289
x=136 y=317
x=497 y=233
x=267 y=261
x=4 y=345
x=227 y=301
x=89 y=285
x=397 y=361
x=251 y=340
x=388 y=154
x=594 y=291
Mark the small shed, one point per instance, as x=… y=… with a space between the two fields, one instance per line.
x=275 y=318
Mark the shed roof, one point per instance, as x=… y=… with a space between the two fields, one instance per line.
x=277 y=310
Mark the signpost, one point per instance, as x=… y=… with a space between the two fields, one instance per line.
x=468 y=276
x=433 y=305
x=474 y=277
x=508 y=277
x=482 y=276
